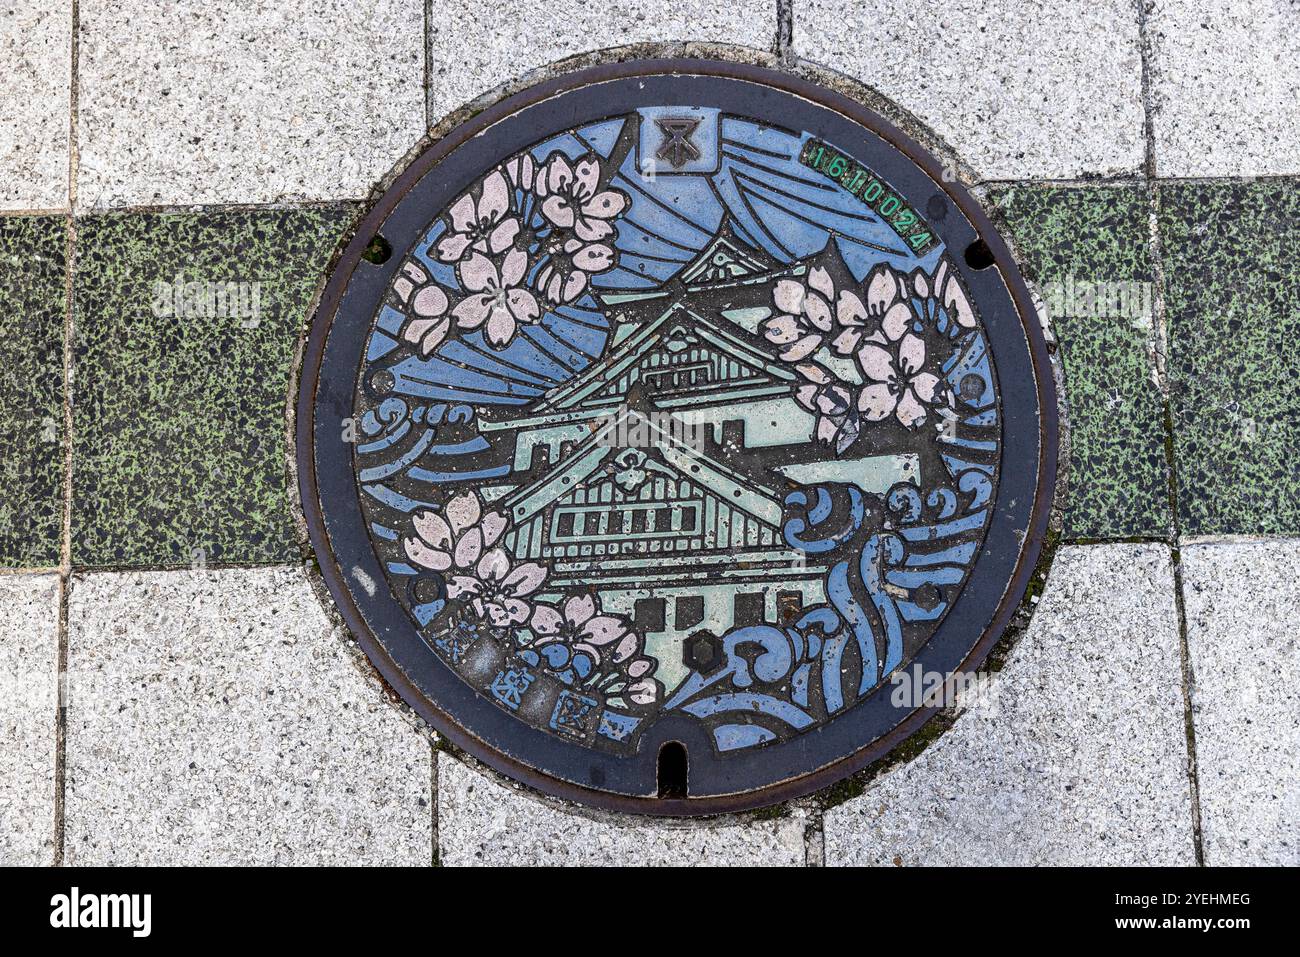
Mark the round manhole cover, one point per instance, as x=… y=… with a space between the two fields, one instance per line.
x=658 y=419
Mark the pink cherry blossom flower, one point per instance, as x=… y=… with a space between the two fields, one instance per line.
x=572 y=199
x=499 y=589
x=571 y=263
x=483 y=226
x=898 y=384
x=580 y=627
x=496 y=296
x=426 y=305
x=805 y=318
x=455 y=539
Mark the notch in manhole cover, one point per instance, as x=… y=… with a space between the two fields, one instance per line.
x=679 y=419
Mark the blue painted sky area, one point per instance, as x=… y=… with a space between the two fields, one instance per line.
x=773 y=202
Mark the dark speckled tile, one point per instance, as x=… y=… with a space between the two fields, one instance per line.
x=33 y=305
x=178 y=419
x=1081 y=241
x=1232 y=290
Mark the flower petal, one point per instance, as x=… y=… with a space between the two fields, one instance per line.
x=513 y=267
x=818 y=311
x=469 y=548
x=911 y=354
x=603 y=629
x=594 y=258
x=493 y=524
x=545 y=620
x=503 y=235
x=477 y=273
x=820 y=279
x=452 y=246
x=789 y=296
x=910 y=411
x=431 y=527
x=472 y=310
x=926 y=386
x=882 y=291
x=500 y=327
x=558 y=210
x=896 y=322
x=462 y=214
x=494 y=202
x=579 y=609
x=586 y=176
x=876 y=363
x=781 y=329
x=875 y=402
x=461 y=585
x=523 y=305
x=429 y=301
x=849 y=310
x=525 y=579
x=801 y=349
x=426 y=557
x=605 y=205
x=494 y=565
x=462 y=511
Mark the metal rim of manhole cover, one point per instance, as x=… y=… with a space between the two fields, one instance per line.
x=654 y=417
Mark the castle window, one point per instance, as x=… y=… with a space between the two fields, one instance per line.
x=689 y=612
x=565 y=524
x=747 y=609
x=788 y=606
x=648 y=615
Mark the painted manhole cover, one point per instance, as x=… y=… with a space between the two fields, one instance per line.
x=656 y=417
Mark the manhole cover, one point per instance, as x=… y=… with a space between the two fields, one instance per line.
x=657 y=418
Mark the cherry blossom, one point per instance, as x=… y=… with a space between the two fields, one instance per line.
x=496 y=296
x=572 y=199
x=426 y=305
x=483 y=226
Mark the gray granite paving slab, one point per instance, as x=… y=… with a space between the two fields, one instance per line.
x=1225 y=81
x=1243 y=634
x=482 y=822
x=36 y=90
x=1078 y=754
x=476 y=47
x=248 y=101
x=1021 y=89
x=29 y=640
x=215 y=718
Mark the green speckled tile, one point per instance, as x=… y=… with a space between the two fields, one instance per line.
x=1076 y=241
x=1232 y=291
x=33 y=305
x=179 y=417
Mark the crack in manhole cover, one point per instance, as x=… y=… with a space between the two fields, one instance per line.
x=658 y=417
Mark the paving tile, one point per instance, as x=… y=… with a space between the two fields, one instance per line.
x=473 y=50
x=1086 y=249
x=33 y=307
x=1232 y=293
x=1020 y=89
x=1076 y=756
x=244 y=102
x=215 y=718
x=35 y=87
x=1225 y=80
x=481 y=822
x=1243 y=619
x=29 y=622
x=179 y=419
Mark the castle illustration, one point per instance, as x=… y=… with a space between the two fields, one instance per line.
x=678 y=528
